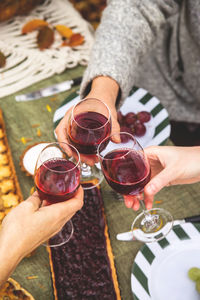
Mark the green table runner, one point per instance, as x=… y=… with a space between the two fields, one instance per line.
x=33 y=273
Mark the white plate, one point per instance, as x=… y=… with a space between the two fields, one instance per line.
x=160 y=269
x=30 y=156
x=158 y=128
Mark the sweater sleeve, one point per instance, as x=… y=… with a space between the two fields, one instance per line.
x=128 y=29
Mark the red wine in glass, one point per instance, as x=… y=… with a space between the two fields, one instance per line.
x=87 y=130
x=57 y=180
x=89 y=124
x=126 y=171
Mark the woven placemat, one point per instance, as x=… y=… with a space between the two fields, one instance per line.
x=25 y=63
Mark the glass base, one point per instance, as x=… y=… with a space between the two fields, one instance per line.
x=62 y=237
x=90 y=174
x=152 y=225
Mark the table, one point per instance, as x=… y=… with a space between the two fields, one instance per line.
x=181 y=201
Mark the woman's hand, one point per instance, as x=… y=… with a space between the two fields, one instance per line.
x=170 y=165
x=28 y=225
x=62 y=136
x=105 y=89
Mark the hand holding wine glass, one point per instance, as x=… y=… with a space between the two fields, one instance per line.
x=57 y=179
x=89 y=124
x=127 y=170
x=167 y=168
x=34 y=224
x=102 y=87
x=61 y=134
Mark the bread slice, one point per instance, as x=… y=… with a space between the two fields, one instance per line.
x=84 y=268
x=10 y=192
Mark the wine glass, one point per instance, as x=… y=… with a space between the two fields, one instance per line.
x=57 y=179
x=89 y=124
x=127 y=171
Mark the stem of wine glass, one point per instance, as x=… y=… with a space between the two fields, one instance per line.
x=85 y=169
x=142 y=204
x=91 y=176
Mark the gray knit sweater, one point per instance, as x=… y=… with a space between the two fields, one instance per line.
x=154 y=44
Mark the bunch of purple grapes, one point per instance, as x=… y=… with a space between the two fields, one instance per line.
x=134 y=122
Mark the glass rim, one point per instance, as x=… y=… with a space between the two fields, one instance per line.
x=109 y=118
x=109 y=137
x=58 y=143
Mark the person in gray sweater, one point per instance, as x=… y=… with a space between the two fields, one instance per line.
x=153 y=44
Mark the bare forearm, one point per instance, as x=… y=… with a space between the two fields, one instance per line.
x=9 y=260
x=28 y=225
